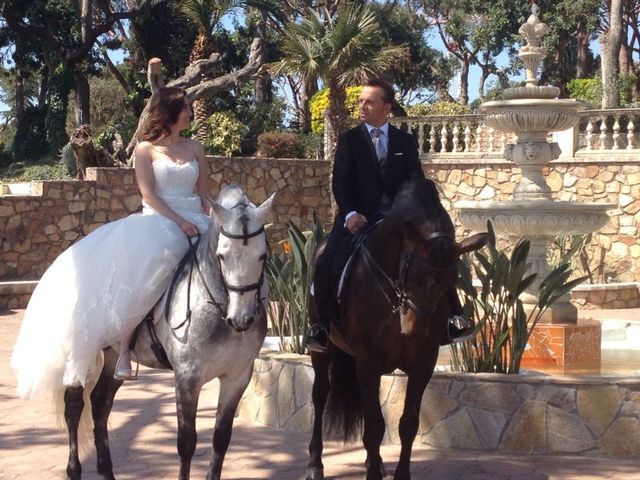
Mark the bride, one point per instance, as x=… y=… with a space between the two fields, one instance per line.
x=97 y=291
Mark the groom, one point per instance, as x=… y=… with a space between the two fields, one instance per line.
x=372 y=160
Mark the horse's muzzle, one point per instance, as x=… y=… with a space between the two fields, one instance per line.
x=241 y=325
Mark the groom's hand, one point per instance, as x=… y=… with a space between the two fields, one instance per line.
x=356 y=223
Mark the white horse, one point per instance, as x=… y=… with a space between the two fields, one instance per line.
x=211 y=323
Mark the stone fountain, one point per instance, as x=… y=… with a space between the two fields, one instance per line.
x=532 y=112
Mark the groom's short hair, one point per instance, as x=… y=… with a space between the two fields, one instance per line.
x=388 y=95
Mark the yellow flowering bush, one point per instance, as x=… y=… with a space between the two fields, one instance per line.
x=320 y=102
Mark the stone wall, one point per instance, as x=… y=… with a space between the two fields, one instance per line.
x=507 y=413
x=36 y=228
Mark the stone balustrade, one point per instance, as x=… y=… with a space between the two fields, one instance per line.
x=440 y=137
x=507 y=413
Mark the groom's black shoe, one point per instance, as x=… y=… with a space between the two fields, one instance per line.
x=457 y=333
x=318 y=338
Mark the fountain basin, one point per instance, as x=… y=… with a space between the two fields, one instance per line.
x=534 y=218
x=532 y=115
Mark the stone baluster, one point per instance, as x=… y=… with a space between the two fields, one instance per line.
x=589 y=136
x=443 y=137
x=479 y=129
x=432 y=138
x=616 y=133
x=492 y=139
x=456 y=134
x=630 y=133
x=503 y=141
x=603 y=133
x=467 y=138
x=420 y=127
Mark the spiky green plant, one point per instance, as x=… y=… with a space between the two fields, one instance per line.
x=502 y=326
x=290 y=277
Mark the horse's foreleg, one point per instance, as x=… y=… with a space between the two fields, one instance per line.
x=409 y=421
x=73 y=405
x=369 y=382
x=101 y=403
x=320 y=362
x=187 y=393
x=231 y=390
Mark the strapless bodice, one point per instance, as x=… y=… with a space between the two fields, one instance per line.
x=175 y=184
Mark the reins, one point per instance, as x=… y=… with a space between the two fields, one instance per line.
x=400 y=297
x=242 y=289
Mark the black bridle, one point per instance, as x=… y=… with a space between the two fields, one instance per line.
x=241 y=289
x=400 y=298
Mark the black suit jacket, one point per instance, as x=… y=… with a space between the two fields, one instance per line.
x=359 y=182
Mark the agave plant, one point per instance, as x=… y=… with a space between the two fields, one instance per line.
x=290 y=275
x=502 y=326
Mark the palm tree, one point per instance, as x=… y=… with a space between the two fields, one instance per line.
x=340 y=50
x=206 y=16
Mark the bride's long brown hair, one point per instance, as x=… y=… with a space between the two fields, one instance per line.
x=166 y=105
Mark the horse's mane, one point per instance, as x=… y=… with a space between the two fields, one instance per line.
x=231 y=195
x=418 y=201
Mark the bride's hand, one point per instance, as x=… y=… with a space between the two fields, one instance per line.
x=188 y=228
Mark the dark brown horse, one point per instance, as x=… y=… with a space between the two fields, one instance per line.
x=394 y=315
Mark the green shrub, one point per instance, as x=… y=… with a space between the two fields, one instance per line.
x=312 y=146
x=586 y=89
x=320 y=102
x=45 y=170
x=280 y=145
x=590 y=90
x=224 y=132
x=502 y=327
x=290 y=276
x=438 y=108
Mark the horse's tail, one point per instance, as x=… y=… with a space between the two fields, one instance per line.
x=344 y=416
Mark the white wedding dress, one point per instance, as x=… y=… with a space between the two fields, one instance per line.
x=101 y=287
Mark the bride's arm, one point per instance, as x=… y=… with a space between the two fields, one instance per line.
x=146 y=184
x=202 y=186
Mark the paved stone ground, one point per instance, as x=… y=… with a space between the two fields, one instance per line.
x=143 y=436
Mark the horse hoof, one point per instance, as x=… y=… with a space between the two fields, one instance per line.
x=383 y=471
x=314 y=474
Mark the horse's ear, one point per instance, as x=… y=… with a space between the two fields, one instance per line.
x=475 y=242
x=219 y=212
x=265 y=208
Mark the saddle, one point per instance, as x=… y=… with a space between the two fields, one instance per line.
x=342 y=261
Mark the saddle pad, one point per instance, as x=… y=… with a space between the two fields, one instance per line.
x=342 y=263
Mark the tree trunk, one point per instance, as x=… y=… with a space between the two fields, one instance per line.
x=463 y=97
x=83 y=97
x=308 y=89
x=610 y=41
x=338 y=113
x=483 y=78
x=624 y=59
x=582 y=60
x=262 y=85
x=19 y=95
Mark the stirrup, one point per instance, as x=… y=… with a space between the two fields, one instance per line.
x=318 y=339
x=458 y=330
x=123 y=374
